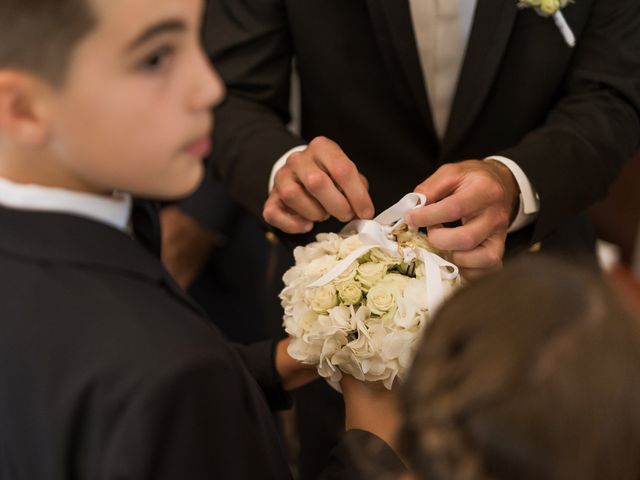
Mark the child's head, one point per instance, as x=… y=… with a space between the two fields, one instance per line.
x=103 y=95
x=529 y=374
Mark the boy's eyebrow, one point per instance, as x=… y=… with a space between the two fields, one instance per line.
x=165 y=26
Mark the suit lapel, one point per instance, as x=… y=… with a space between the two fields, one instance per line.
x=70 y=240
x=492 y=27
x=391 y=20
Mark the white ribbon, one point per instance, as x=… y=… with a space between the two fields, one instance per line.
x=565 y=29
x=377 y=233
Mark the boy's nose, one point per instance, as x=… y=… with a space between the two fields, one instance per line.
x=210 y=89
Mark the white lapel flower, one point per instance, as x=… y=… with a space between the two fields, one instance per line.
x=553 y=8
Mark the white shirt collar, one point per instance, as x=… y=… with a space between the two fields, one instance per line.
x=114 y=211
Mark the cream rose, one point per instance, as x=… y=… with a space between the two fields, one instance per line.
x=350 y=293
x=323 y=298
x=546 y=8
x=369 y=273
x=348 y=246
x=381 y=298
x=377 y=255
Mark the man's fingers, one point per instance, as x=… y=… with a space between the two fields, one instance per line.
x=344 y=174
x=277 y=215
x=468 y=236
x=297 y=199
x=450 y=209
x=486 y=257
x=442 y=183
x=322 y=181
x=321 y=187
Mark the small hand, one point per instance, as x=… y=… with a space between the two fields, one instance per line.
x=186 y=245
x=315 y=184
x=293 y=373
x=484 y=196
x=370 y=407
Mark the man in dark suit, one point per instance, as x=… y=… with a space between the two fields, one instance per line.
x=567 y=117
x=399 y=90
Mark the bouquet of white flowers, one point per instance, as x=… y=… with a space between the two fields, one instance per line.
x=357 y=302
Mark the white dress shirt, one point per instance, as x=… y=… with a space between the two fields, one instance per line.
x=114 y=211
x=442 y=29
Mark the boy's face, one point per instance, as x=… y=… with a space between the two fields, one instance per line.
x=135 y=111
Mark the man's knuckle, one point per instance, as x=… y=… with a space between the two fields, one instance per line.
x=316 y=181
x=468 y=241
x=295 y=159
x=342 y=171
x=502 y=219
x=493 y=257
x=494 y=191
x=289 y=193
x=319 y=142
x=269 y=213
x=448 y=168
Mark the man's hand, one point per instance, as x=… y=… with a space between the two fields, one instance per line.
x=186 y=245
x=293 y=373
x=484 y=195
x=315 y=184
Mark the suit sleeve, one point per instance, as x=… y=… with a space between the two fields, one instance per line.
x=259 y=359
x=249 y=44
x=574 y=157
x=200 y=422
x=361 y=455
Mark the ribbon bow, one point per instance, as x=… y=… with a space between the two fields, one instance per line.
x=378 y=233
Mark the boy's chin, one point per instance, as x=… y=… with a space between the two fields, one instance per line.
x=173 y=189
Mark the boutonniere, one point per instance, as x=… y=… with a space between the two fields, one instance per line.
x=553 y=8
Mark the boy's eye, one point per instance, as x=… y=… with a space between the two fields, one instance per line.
x=157 y=60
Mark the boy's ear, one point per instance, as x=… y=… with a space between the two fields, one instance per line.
x=24 y=108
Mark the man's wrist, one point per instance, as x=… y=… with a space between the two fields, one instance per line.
x=510 y=184
x=529 y=202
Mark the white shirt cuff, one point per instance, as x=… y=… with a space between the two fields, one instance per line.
x=281 y=163
x=529 y=199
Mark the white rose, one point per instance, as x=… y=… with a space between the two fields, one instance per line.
x=348 y=275
x=350 y=293
x=545 y=7
x=377 y=255
x=369 y=273
x=381 y=298
x=319 y=266
x=323 y=298
x=549 y=7
x=330 y=242
x=348 y=246
x=397 y=281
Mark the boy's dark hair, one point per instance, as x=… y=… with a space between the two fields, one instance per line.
x=38 y=36
x=529 y=374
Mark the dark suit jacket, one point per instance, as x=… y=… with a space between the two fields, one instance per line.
x=109 y=371
x=568 y=117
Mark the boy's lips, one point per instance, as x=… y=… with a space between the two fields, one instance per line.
x=200 y=148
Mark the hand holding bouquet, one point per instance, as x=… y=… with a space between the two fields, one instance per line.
x=356 y=302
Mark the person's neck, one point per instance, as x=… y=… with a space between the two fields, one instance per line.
x=40 y=169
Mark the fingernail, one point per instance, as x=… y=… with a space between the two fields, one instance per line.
x=307 y=227
x=368 y=212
